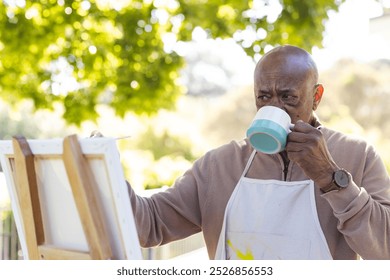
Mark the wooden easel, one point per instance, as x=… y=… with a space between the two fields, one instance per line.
x=83 y=187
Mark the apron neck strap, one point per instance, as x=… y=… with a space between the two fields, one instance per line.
x=248 y=164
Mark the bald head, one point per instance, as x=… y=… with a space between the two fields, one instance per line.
x=287 y=77
x=290 y=58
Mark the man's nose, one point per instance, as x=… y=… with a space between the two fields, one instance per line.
x=276 y=102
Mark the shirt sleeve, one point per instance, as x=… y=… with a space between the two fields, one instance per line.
x=363 y=209
x=172 y=214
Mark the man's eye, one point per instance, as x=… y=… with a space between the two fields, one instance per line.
x=288 y=97
x=263 y=97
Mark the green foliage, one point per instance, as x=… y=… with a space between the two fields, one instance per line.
x=10 y=246
x=80 y=53
x=155 y=155
x=166 y=144
x=22 y=121
x=355 y=102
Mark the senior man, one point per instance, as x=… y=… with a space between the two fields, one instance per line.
x=326 y=196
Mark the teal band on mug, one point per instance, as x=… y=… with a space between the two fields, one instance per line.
x=267 y=136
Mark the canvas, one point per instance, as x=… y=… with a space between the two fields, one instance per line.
x=62 y=220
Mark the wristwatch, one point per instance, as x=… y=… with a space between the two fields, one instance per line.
x=340 y=180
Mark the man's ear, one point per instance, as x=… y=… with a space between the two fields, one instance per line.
x=317 y=96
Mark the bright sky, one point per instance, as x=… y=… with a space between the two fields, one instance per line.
x=348 y=34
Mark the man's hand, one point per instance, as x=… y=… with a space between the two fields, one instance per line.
x=95 y=134
x=306 y=146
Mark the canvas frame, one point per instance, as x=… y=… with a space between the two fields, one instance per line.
x=81 y=208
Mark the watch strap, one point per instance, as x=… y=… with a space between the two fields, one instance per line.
x=331 y=187
x=334 y=185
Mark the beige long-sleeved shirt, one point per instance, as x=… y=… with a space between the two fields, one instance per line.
x=355 y=221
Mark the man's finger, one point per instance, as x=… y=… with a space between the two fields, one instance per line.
x=301 y=126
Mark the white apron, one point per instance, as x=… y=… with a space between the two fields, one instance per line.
x=271 y=219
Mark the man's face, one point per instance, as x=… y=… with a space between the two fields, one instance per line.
x=284 y=81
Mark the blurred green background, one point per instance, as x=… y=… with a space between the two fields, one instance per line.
x=175 y=75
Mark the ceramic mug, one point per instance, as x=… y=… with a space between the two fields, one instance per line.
x=269 y=129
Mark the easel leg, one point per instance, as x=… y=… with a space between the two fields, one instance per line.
x=84 y=192
x=27 y=188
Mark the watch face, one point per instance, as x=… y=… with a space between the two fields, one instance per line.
x=341 y=178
